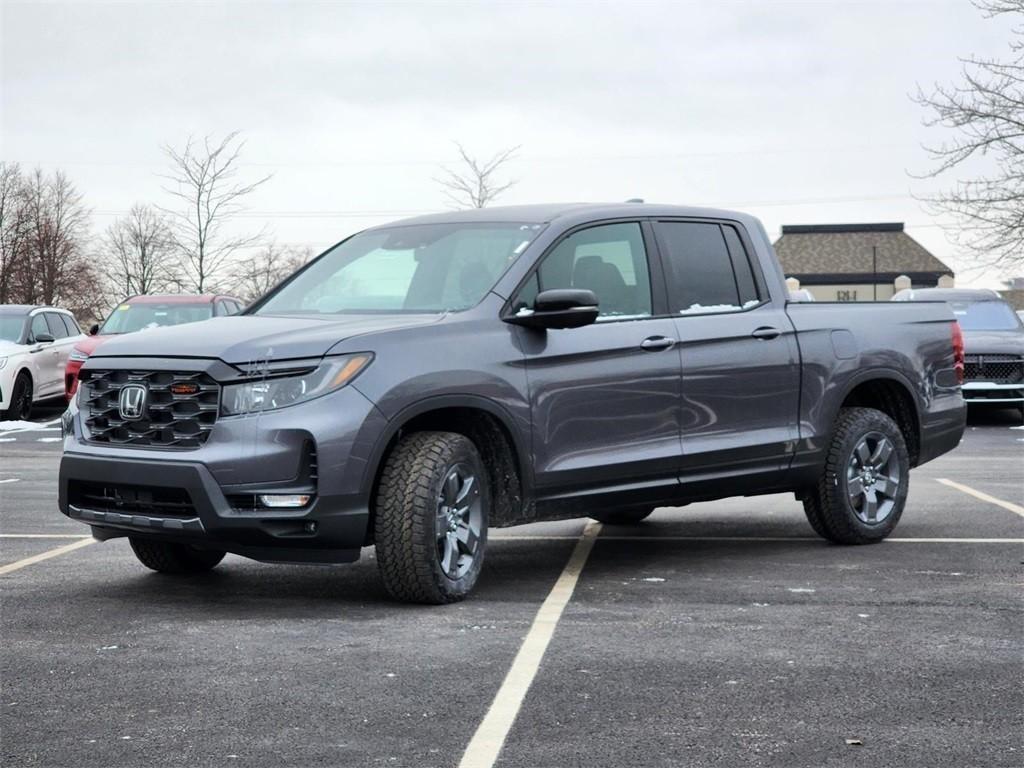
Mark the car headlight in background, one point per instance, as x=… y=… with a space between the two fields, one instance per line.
x=280 y=391
x=78 y=356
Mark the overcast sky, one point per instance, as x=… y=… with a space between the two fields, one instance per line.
x=796 y=112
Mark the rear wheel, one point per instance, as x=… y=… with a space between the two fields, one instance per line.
x=860 y=496
x=21 y=400
x=430 y=521
x=168 y=557
x=626 y=516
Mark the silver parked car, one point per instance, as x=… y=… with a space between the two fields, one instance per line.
x=993 y=342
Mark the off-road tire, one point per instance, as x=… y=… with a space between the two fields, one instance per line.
x=406 y=504
x=625 y=516
x=19 y=410
x=827 y=505
x=168 y=557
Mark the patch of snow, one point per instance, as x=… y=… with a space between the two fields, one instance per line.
x=7 y=440
x=49 y=439
x=29 y=426
x=653 y=579
x=863 y=615
x=800 y=589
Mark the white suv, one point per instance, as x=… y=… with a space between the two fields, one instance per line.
x=34 y=346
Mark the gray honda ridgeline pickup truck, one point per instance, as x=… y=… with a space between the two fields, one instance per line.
x=422 y=382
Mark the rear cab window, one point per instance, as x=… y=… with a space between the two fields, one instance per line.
x=707 y=268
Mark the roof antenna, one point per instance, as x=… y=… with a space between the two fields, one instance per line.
x=635 y=200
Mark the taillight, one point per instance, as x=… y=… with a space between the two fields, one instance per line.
x=958 y=352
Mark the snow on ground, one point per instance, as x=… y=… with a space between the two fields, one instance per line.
x=29 y=426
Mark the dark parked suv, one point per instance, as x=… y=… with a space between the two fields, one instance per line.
x=422 y=382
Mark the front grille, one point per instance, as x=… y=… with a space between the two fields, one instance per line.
x=169 y=420
x=998 y=369
x=131 y=499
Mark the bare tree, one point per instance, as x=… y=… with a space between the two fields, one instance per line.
x=204 y=179
x=475 y=183
x=137 y=253
x=985 y=112
x=268 y=267
x=13 y=232
x=55 y=243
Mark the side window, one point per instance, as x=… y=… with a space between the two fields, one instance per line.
x=71 y=324
x=609 y=260
x=39 y=325
x=701 y=277
x=221 y=308
x=741 y=266
x=57 y=327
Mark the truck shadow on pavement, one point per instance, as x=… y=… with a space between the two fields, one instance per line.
x=515 y=573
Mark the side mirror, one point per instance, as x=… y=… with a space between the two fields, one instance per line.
x=94 y=329
x=43 y=338
x=558 y=308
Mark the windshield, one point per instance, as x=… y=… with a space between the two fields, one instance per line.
x=985 y=315
x=11 y=327
x=130 y=317
x=423 y=268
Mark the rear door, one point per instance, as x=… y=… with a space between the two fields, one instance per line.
x=41 y=358
x=63 y=341
x=605 y=397
x=740 y=360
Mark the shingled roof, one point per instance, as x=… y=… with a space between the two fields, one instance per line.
x=833 y=249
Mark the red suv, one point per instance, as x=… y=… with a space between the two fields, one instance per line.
x=141 y=312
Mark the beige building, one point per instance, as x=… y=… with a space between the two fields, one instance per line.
x=856 y=262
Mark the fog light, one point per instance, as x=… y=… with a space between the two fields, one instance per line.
x=283 y=501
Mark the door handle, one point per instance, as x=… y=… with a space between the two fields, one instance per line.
x=766 y=332
x=655 y=343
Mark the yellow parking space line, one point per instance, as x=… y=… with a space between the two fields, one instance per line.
x=45 y=536
x=56 y=552
x=1007 y=505
x=485 y=746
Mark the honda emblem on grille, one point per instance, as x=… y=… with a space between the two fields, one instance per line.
x=131 y=403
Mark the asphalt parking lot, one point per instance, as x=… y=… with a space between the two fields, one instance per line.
x=720 y=634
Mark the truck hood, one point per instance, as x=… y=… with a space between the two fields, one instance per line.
x=994 y=342
x=246 y=338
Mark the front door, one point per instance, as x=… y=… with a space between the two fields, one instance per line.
x=740 y=360
x=605 y=397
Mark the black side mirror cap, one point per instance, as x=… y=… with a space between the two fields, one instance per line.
x=42 y=338
x=94 y=329
x=558 y=308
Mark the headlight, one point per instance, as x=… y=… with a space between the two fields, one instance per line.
x=273 y=392
x=78 y=356
x=3 y=361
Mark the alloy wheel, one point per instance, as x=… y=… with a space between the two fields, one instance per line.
x=458 y=521
x=873 y=478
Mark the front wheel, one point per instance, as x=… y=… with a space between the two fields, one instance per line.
x=430 y=520
x=626 y=516
x=21 y=400
x=861 y=493
x=169 y=557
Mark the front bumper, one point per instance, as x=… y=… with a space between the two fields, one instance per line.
x=243 y=457
x=987 y=392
